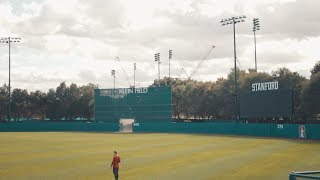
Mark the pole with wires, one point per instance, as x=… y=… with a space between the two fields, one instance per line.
x=124 y=71
x=10 y=40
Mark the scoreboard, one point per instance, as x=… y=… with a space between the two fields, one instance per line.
x=266 y=100
x=141 y=104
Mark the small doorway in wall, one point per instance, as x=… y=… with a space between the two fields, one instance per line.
x=126 y=125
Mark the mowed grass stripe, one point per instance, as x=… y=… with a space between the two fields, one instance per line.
x=270 y=167
x=171 y=152
x=221 y=162
x=184 y=163
x=148 y=156
x=55 y=158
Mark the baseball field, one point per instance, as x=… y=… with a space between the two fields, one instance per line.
x=57 y=155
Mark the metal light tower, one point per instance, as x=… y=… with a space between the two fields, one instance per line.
x=170 y=57
x=234 y=20
x=157 y=58
x=134 y=75
x=113 y=73
x=256 y=27
x=10 y=40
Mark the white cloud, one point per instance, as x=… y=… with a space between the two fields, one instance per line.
x=77 y=40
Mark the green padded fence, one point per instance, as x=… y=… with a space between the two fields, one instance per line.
x=47 y=126
x=308 y=131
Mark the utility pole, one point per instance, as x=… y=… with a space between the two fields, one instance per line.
x=234 y=21
x=256 y=27
x=157 y=58
x=10 y=40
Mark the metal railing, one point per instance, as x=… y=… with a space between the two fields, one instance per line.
x=304 y=175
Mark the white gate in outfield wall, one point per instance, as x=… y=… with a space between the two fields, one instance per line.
x=125 y=125
x=302 y=132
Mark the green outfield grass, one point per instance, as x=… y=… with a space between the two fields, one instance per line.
x=46 y=155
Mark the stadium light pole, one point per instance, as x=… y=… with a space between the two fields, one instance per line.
x=113 y=73
x=170 y=57
x=256 y=27
x=10 y=40
x=134 y=75
x=157 y=58
x=234 y=20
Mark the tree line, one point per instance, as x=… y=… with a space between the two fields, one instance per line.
x=191 y=98
x=215 y=100
x=65 y=102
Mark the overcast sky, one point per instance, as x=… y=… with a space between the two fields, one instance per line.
x=78 y=40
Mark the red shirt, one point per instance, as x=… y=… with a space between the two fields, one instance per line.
x=115 y=162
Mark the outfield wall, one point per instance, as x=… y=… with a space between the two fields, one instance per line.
x=311 y=131
x=47 y=126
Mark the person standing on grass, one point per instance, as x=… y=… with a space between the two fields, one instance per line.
x=115 y=164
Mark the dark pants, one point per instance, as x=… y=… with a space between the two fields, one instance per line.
x=115 y=172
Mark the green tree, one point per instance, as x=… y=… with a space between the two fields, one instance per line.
x=73 y=102
x=315 y=69
x=225 y=94
x=311 y=93
x=38 y=102
x=52 y=105
x=178 y=91
x=20 y=104
x=292 y=80
x=311 y=96
x=3 y=102
x=86 y=101
x=61 y=101
x=228 y=93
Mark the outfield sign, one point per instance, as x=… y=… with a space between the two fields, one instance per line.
x=130 y=91
x=265 y=86
x=280 y=126
x=110 y=92
x=141 y=104
x=136 y=124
